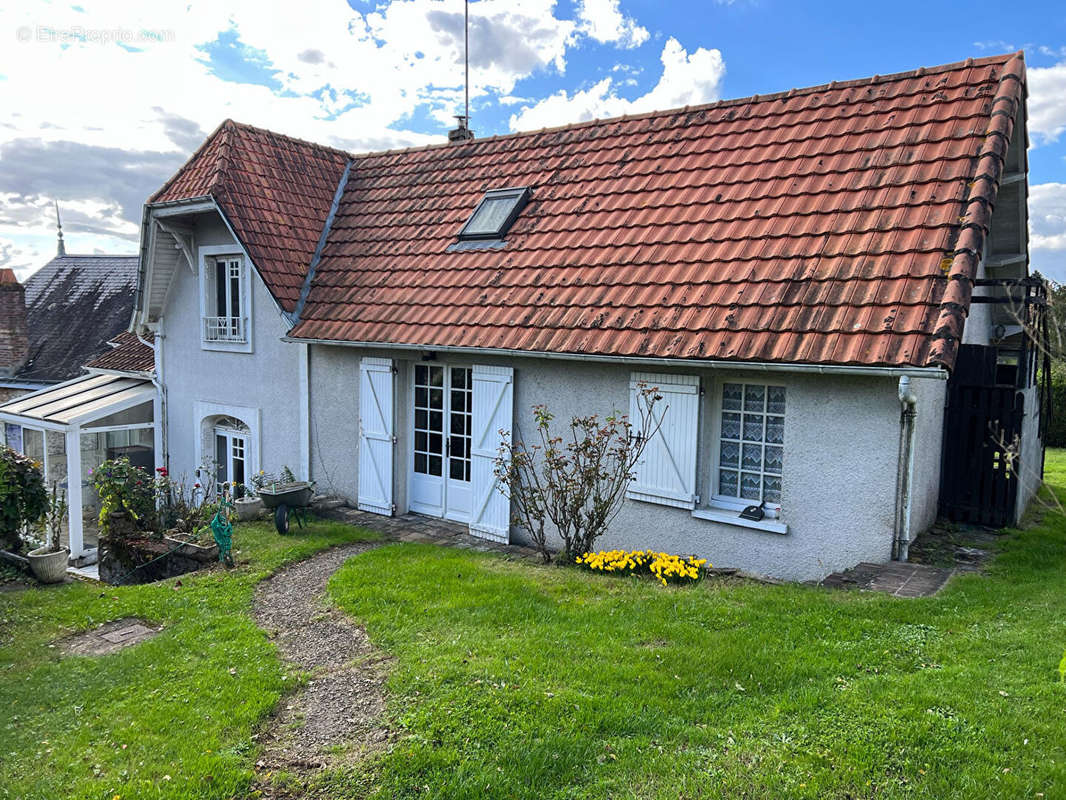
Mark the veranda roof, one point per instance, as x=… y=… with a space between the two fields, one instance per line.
x=78 y=401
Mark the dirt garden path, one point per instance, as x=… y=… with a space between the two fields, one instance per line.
x=336 y=717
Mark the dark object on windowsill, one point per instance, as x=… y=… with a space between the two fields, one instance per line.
x=754 y=513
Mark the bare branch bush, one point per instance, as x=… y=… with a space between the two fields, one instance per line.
x=1044 y=332
x=575 y=482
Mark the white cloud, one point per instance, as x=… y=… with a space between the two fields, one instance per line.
x=604 y=21
x=687 y=79
x=1047 y=229
x=23 y=257
x=132 y=112
x=1047 y=102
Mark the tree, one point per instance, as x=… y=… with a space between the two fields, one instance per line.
x=23 y=497
x=577 y=483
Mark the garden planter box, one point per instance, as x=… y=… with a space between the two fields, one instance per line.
x=189 y=549
x=144 y=560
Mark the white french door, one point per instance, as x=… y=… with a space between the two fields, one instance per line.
x=231 y=456
x=442 y=404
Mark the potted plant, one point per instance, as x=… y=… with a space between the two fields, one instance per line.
x=49 y=563
x=246 y=500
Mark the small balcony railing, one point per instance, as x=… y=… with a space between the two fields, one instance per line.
x=225 y=329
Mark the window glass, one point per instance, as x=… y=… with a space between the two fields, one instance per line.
x=220 y=288
x=33 y=444
x=489 y=218
x=750 y=451
x=491 y=215
x=13 y=436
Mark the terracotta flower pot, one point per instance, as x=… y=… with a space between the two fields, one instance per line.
x=49 y=566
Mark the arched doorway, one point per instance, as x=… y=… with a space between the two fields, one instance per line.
x=231 y=447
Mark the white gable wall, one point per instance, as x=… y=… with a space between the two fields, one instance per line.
x=265 y=380
x=841 y=453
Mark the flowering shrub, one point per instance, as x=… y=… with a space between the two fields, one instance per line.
x=123 y=487
x=575 y=481
x=186 y=508
x=664 y=567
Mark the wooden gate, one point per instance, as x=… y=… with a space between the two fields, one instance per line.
x=983 y=424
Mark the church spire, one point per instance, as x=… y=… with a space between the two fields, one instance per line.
x=61 y=248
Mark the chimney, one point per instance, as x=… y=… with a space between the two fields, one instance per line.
x=461 y=133
x=14 y=331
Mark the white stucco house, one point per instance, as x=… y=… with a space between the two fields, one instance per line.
x=818 y=281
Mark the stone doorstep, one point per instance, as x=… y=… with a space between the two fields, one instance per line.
x=85 y=559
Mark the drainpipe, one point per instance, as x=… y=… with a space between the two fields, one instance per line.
x=161 y=389
x=905 y=469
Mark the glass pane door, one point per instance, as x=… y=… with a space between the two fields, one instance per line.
x=429 y=420
x=443 y=409
x=460 y=406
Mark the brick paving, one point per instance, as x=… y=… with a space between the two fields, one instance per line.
x=899 y=579
x=416 y=528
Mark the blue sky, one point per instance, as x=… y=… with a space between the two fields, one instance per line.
x=106 y=99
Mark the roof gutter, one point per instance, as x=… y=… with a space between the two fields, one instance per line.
x=936 y=373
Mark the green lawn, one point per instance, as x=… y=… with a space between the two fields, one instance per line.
x=165 y=718
x=511 y=680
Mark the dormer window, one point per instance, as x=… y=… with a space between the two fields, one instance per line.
x=495 y=214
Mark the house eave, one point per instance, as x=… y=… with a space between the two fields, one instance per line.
x=936 y=373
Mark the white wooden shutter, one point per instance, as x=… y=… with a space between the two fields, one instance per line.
x=376 y=430
x=666 y=473
x=490 y=517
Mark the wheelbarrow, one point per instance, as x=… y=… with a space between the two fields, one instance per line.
x=288 y=499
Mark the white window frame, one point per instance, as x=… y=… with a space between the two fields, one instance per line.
x=208 y=257
x=22 y=441
x=205 y=435
x=231 y=435
x=729 y=502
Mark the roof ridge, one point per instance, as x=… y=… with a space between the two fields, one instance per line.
x=317 y=145
x=756 y=98
x=976 y=214
x=96 y=255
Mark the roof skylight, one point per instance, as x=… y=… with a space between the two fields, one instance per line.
x=495 y=213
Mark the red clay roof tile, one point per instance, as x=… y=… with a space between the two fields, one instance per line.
x=808 y=226
x=129 y=354
x=275 y=192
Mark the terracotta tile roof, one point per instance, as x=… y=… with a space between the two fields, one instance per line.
x=832 y=225
x=129 y=354
x=838 y=224
x=274 y=190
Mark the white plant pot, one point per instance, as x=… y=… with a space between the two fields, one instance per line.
x=49 y=566
x=248 y=508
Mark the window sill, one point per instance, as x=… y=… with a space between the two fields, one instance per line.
x=226 y=347
x=733 y=518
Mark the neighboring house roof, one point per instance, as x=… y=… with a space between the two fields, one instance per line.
x=274 y=190
x=74 y=306
x=839 y=224
x=128 y=354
